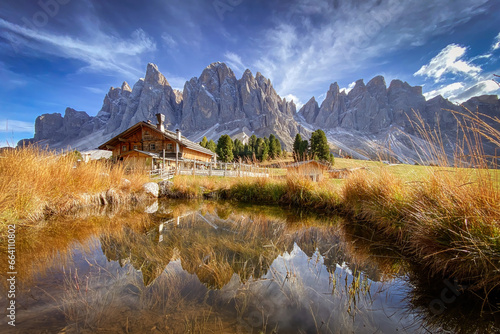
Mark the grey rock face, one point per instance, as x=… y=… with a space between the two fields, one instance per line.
x=220 y=102
x=210 y=99
x=73 y=122
x=47 y=127
x=367 y=108
x=151 y=96
x=404 y=100
x=215 y=98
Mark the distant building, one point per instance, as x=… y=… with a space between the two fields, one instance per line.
x=147 y=142
x=312 y=169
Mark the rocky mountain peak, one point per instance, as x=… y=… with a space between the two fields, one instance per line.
x=214 y=76
x=359 y=88
x=154 y=76
x=334 y=88
x=376 y=84
x=247 y=76
x=126 y=87
x=310 y=110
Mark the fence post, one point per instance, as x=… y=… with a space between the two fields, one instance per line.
x=194 y=168
x=225 y=168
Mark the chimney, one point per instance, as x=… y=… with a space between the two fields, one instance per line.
x=178 y=134
x=161 y=120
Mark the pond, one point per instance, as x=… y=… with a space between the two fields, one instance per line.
x=215 y=267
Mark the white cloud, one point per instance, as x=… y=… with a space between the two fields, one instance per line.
x=234 y=62
x=169 y=41
x=481 y=88
x=349 y=88
x=100 y=52
x=304 y=53
x=496 y=43
x=449 y=60
x=445 y=91
x=295 y=99
x=96 y=90
x=13 y=126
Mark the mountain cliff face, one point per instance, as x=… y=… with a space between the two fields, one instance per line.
x=375 y=117
x=361 y=122
x=370 y=108
x=216 y=102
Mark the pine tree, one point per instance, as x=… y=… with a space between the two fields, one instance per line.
x=204 y=142
x=212 y=146
x=277 y=148
x=238 y=149
x=319 y=146
x=265 y=152
x=252 y=143
x=225 y=148
x=332 y=159
x=303 y=150
x=259 y=147
x=296 y=147
x=272 y=146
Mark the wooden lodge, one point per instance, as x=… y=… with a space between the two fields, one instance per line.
x=312 y=169
x=145 y=143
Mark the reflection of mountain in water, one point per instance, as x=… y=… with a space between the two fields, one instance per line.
x=215 y=245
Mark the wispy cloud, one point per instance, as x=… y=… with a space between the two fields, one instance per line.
x=169 y=41
x=307 y=49
x=473 y=79
x=295 y=99
x=481 y=88
x=101 y=52
x=96 y=90
x=234 y=61
x=445 y=91
x=449 y=60
x=13 y=126
x=349 y=87
x=496 y=43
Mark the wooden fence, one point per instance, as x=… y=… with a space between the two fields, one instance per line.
x=225 y=169
x=217 y=169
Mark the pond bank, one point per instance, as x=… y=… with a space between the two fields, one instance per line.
x=448 y=223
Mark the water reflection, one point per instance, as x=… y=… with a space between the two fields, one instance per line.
x=214 y=267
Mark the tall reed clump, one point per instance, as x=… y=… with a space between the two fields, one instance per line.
x=257 y=190
x=454 y=216
x=34 y=182
x=378 y=197
x=453 y=223
x=449 y=220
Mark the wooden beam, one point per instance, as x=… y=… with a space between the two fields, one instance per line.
x=109 y=147
x=122 y=139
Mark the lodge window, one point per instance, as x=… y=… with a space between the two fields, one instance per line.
x=136 y=147
x=170 y=147
x=124 y=148
x=152 y=147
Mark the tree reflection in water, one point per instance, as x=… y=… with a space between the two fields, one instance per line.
x=214 y=267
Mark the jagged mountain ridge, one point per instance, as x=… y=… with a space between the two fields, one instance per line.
x=376 y=118
x=216 y=100
x=364 y=121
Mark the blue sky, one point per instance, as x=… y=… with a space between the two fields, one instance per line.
x=68 y=53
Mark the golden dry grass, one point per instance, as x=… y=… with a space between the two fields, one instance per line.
x=34 y=181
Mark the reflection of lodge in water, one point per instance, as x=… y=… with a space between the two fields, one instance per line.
x=215 y=246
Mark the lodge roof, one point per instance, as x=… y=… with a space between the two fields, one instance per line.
x=166 y=133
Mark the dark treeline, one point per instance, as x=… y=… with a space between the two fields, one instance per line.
x=257 y=149
x=317 y=149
